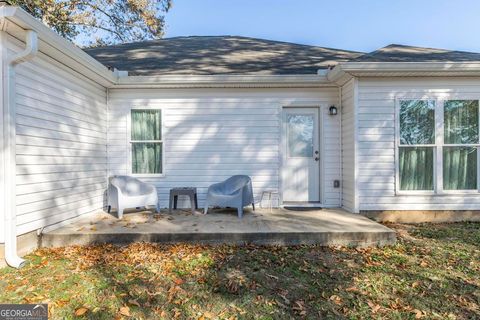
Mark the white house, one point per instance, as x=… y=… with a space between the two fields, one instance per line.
x=392 y=130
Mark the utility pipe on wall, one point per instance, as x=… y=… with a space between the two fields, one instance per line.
x=9 y=115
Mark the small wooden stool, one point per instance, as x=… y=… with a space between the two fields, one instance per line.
x=184 y=191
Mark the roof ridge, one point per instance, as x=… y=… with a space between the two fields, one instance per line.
x=408 y=53
x=219 y=36
x=421 y=47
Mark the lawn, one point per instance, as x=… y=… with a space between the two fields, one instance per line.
x=433 y=272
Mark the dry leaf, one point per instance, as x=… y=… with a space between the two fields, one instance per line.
x=418 y=314
x=81 y=311
x=125 y=311
x=374 y=307
x=336 y=299
x=176 y=313
x=299 y=307
x=134 y=302
x=208 y=315
x=352 y=289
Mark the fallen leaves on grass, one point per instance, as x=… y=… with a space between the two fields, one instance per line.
x=375 y=307
x=125 y=311
x=336 y=299
x=134 y=302
x=143 y=280
x=299 y=307
x=81 y=311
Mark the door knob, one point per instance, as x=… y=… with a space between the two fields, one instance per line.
x=316 y=152
x=317 y=158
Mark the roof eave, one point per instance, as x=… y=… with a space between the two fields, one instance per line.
x=401 y=69
x=223 y=81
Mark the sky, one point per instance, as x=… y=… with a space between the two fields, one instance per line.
x=360 y=25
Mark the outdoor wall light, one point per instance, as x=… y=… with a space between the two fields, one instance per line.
x=332 y=111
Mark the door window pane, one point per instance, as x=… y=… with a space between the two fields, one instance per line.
x=461 y=121
x=416 y=168
x=146 y=158
x=417 y=122
x=300 y=135
x=459 y=168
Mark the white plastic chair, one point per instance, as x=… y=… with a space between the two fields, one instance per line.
x=235 y=192
x=128 y=192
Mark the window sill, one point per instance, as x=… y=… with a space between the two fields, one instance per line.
x=435 y=194
x=415 y=193
x=459 y=192
x=152 y=175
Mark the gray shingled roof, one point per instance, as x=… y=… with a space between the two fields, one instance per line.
x=241 y=55
x=218 y=55
x=402 y=53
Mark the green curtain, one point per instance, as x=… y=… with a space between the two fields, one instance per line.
x=461 y=121
x=460 y=127
x=417 y=126
x=146 y=156
x=459 y=168
x=146 y=125
x=416 y=168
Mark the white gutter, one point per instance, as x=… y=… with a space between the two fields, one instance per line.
x=428 y=66
x=55 y=46
x=344 y=71
x=9 y=133
x=222 y=81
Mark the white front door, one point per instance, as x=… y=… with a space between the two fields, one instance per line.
x=300 y=165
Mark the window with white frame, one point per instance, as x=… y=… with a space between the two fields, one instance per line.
x=146 y=141
x=460 y=140
x=417 y=145
x=438 y=145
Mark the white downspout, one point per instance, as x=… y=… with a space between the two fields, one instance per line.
x=31 y=49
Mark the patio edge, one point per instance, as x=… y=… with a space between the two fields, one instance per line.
x=352 y=239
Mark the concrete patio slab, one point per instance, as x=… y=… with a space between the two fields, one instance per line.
x=284 y=227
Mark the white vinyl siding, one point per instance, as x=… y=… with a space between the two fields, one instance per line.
x=376 y=141
x=348 y=145
x=3 y=54
x=61 y=126
x=212 y=134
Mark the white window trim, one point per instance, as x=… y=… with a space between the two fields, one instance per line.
x=130 y=142
x=477 y=145
x=398 y=146
x=438 y=150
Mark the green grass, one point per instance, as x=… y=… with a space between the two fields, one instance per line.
x=433 y=272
